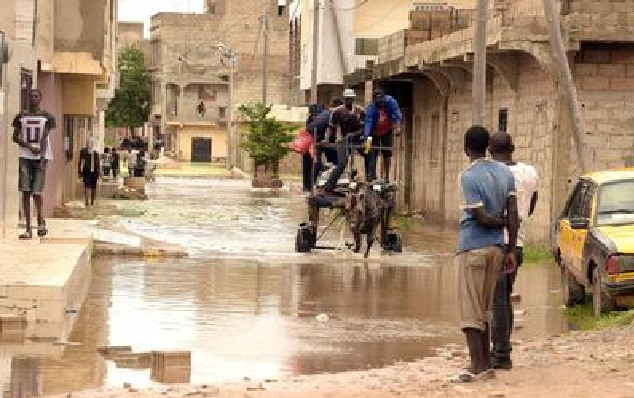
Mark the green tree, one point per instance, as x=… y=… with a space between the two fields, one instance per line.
x=130 y=106
x=266 y=138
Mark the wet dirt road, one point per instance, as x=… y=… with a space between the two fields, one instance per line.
x=247 y=306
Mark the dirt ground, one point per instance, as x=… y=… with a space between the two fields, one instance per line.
x=588 y=364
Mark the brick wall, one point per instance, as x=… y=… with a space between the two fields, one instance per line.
x=605 y=78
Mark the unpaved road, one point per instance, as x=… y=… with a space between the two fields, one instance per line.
x=591 y=364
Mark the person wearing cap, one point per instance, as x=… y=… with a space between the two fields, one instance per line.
x=348 y=118
x=383 y=118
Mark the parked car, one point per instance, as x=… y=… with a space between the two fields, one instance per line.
x=595 y=241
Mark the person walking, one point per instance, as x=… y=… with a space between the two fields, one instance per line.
x=31 y=131
x=502 y=149
x=89 y=169
x=116 y=163
x=489 y=206
x=106 y=162
x=383 y=119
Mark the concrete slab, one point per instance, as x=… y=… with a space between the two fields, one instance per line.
x=44 y=283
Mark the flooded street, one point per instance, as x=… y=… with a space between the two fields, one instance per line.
x=247 y=306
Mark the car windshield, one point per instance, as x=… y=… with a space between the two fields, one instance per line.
x=616 y=203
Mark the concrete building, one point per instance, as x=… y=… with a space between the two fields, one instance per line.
x=348 y=38
x=188 y=69
x=433 y=81
x=66 y=48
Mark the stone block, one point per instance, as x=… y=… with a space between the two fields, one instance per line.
x=596 y=57
x=621 y=84
x=595 y=83
x=612 y=70
x=171 y=366
x=623 y=57
x=586 y=69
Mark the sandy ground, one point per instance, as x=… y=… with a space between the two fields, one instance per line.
x=590 y=364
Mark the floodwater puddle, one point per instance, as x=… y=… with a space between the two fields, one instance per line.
x=260 y=317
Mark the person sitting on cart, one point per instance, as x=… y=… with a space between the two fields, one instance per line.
x=348 y=117
x=319 y=128
x=382 y=122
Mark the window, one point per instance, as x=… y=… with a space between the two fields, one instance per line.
x=206 y=93
x=26 y=84
x=580 y=201
x=616 y=203
x=503 y=119
x=222 y=112
x=365 y=46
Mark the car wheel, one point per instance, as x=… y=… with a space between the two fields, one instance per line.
x=601 y=303
x=573 y=292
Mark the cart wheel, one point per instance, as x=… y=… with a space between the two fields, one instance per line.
x=304 y=240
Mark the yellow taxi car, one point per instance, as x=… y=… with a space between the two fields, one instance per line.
x=595 y=241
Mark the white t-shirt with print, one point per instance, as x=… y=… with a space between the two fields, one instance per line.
x=526 y=185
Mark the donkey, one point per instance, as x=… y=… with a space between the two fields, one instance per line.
x=363 y=214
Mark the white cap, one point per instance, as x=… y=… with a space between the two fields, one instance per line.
x=349 y=93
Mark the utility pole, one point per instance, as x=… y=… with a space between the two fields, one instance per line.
x=265 y=66
x=480 y=64
x=568 y=90
x=313 y=89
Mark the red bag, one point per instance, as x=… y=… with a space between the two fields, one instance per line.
x=302 y=143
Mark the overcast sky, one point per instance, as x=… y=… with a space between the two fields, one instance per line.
x=142 y=10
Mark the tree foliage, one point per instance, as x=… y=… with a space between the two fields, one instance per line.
x=130 y=107
x=266 y=137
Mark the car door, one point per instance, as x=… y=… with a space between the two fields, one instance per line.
x=566 y=236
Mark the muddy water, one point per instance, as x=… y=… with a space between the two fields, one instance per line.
x=256 y=316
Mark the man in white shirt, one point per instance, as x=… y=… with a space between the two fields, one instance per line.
x=502 y=148
x=31 y=130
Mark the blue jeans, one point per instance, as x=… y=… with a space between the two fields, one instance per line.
x=503 y=317
x=331 y=157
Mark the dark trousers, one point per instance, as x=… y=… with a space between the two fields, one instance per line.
x=307 y=172
x=370 y=165
x=503 y=311
x=342 y=162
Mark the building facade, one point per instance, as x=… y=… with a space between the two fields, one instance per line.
x=189 y=68
x=66 y=48
x=434 y=79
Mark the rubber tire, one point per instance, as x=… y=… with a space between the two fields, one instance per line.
x=398 y=244
x=601 y=303
x=573 y=293
x=302 y=245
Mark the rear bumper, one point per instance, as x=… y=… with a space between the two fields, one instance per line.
x=619 y=289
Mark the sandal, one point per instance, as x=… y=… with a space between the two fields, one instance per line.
x=28 y=235
x=469 y=377
x=41 y=230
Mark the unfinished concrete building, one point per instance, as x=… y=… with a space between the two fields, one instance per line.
x=433 y=80
x=188 y=69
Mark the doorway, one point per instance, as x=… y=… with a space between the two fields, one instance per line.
x=201 y=150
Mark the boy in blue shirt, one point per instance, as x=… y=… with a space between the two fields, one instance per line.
x=489 y=206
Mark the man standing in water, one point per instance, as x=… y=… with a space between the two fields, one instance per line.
x=502 y=149
x=31 y=131
x=489 y=206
